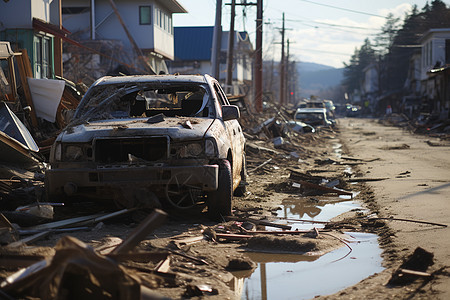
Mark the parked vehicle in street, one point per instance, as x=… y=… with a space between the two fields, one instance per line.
x=313 y=116
x=168 y=139
x=300 y=127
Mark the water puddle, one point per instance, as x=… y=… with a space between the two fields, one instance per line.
x=289 y=276
x=304 y=277
x=314 y=209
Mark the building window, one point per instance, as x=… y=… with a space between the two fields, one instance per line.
x=145 y=15
x=447 y=51
x=157 y=19
x=42 y=57
x=430 y=53
x=163 y=20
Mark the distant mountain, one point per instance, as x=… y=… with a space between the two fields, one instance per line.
x=316 y=77
x=312 y=67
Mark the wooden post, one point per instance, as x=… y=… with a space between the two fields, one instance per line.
x=131 y=39
x=25 y=71
x=229 y=82
x=258 y=57
x=282 y=67
x=215 y=52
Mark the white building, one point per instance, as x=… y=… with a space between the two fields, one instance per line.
x=141 y=27
x=435 y=50
x=435 y=67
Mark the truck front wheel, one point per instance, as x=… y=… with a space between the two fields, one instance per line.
x=220 y=201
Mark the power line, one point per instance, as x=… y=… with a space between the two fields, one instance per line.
x=333 y=25
x=344 y=9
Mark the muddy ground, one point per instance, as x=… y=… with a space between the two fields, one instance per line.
x=203 y=261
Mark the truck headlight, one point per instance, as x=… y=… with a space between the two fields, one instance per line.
x=190 y=150
x=72 y=153
x=210 y=148
x=194 y=149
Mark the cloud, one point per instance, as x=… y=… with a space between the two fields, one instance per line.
x=315 y=41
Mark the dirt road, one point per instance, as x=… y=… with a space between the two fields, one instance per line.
x=417 y=188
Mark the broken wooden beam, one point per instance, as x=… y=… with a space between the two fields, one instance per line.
x=153 y=221
x=258 y=222
x=163 y=266
x=415 y=273
x=362 y=179
x=260 y=166
x=325 y=189
x=29 y=239
x=26 y=72
x=232 y=236
x=409 y=220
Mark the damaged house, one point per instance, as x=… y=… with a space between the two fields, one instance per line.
x=435 y=70
x=118 y=37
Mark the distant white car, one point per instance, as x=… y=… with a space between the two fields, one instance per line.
x=173 y=137
x=313 y=116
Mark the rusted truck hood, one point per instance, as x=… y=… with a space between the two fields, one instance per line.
x=172 y=127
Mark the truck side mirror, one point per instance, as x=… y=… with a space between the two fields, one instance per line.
x=230 y=112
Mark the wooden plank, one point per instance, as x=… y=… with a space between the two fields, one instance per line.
x=230 y=236
x=153 y=221
x=362 y=179
x=63 y=223
x=164 y=265
x=29 y=239
x=25 y=71
x=415 y=273
x=258 y=222
x=325 y=189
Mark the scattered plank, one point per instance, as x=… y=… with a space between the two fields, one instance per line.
x=63 y=223
x=362 y=179
x=415 y=273
x=409 y=220
x=163 y=266
x=232 y=236
x=258 y=222
x=199 y=260
x=325 y=189
x=285 y=232
x=153 y=221
x=260 y=166
x=29 y=239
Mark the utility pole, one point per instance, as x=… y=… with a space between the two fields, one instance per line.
x=288 y=79
x=258 y=57
x=229 y=82
x=282 y=68
x=216 y=41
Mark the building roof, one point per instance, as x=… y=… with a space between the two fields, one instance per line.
x=432 y=32
x=174 y=6
x=193 y=43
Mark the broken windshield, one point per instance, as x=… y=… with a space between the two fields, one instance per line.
x=140 y=101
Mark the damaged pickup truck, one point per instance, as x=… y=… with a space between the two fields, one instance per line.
x=152 y=140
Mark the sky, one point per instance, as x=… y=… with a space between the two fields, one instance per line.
x=320 y=31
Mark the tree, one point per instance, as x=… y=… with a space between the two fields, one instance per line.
x=354 y=71
x=385 y=39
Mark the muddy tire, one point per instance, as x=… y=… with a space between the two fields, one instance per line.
x=220 y=201
x=242 y=187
